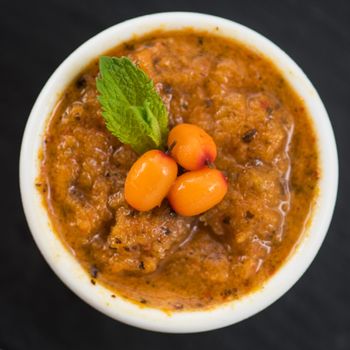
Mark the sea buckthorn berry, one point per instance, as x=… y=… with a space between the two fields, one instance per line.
x=191 y=146
x=149 y=180
x=197 y=191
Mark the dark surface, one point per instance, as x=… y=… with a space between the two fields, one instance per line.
x=36 y=310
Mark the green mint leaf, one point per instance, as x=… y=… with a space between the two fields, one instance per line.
x=131 y=107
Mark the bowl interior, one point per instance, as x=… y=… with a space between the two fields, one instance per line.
x=65 y=265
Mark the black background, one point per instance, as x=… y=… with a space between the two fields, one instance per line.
x=36 y=310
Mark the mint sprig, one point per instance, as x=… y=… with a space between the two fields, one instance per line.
x=131 y=107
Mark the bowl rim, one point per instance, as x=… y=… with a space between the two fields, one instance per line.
x=67 y=267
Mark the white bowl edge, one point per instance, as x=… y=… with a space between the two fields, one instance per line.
x=65 y=265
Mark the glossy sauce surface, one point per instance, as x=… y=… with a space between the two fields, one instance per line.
x=266 y=147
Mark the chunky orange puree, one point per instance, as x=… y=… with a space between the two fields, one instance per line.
x=266 y=147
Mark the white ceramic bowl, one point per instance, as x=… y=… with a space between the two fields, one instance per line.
x=67 y=267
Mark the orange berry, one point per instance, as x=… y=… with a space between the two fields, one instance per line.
x=197 y=191
x=192 y=148
x=149 y=180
